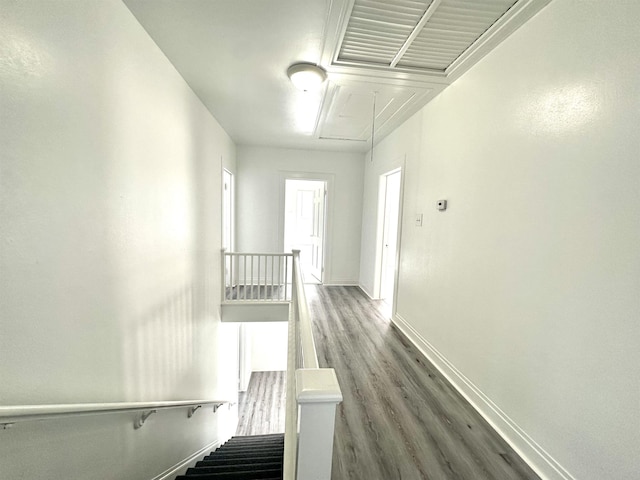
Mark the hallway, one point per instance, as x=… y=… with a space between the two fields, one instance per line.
x=400 y=418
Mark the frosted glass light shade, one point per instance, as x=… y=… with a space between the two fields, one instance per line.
x=306 y=76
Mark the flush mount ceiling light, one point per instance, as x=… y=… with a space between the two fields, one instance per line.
x=306 y=76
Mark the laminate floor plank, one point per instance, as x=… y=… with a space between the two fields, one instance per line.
x=261 y=408
x=400 y=418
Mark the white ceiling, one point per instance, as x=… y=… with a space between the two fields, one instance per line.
x=235 y=53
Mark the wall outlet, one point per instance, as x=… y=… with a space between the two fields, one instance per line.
x=418 y=219
x=442 y=204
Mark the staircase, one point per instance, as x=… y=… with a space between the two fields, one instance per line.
x=256 y=457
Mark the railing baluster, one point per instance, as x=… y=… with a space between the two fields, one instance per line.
x=279 y=276
x=231 y=276
x=286 y=277
x=273 y=258
x=259 y=297
x=265 y=278
x=244 y=280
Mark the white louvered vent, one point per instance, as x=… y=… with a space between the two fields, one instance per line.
x=427 y=34
x=454 y=27
x=377 y=29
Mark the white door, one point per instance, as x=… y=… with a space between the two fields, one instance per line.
x=317 y=236
x=304 y=224
x=391 y=187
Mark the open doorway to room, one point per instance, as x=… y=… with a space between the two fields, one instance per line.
x=389 y=218
x=304 y=224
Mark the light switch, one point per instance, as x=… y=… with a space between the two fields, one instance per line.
x=418 y=219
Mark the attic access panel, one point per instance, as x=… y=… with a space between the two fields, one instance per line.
x=347 y=112
x=425 y=35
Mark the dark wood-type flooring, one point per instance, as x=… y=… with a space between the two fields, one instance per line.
x=400 y=418
x=261 y=409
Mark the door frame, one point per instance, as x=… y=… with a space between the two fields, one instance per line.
x=329 y=180
x=232 y=208
x=377 y=287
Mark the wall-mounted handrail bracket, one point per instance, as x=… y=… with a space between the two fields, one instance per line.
x=140 y=419
x=216 y=406
x=192 y=410
x=6 y=426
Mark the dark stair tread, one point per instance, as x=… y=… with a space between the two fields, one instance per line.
x=233 y=461
x=249 y=450
x=256 y=438
x=244 y=454
x=254 y=457
x=244 y=475
x=254 y=442
x=278 y=444
x=262 y=435
x=234 y=468
x=250 y=441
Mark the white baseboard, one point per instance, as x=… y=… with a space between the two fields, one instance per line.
x=366 y=292
x=339 y=283
x=532 y=453
x=177 y=469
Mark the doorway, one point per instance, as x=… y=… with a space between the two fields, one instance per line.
x=390 y=191
x=227 y=210
x=228 y=243
x=304 y=224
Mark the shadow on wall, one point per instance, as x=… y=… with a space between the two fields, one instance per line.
x=159 y=352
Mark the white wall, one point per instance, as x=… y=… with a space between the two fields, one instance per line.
x=260 y=207
x=269 y=344
x=528 y=284
x=110 y=215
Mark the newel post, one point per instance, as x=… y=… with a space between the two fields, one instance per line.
x=318 y=394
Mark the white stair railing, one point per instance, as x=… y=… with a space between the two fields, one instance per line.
x=312 y=395
x=255 y=280
x=256 y=277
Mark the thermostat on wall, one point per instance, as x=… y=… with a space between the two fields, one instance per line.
x=442 y=204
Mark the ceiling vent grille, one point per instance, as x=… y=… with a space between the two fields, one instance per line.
x=428 y=34
x=454 y=27
x=377 y=29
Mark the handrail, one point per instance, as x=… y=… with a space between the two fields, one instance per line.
x=308 y=355
x=20 y=413
x=239 y=254
x=291 y=404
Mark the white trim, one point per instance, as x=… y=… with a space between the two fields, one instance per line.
x=171 y=472
x=366 y=292
x=532 y=453
x=254 y=311
x=343 y=283
x=416 y=31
